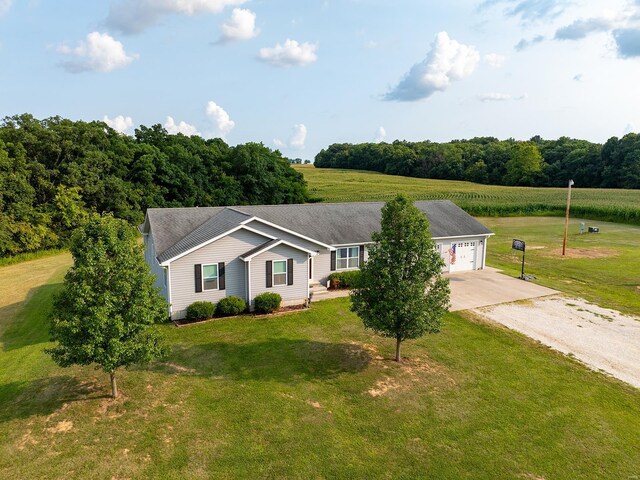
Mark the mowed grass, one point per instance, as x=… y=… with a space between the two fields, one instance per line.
x=310 y=395
x=336 y=185
x=603 y=268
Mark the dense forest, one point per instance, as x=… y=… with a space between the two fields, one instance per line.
x=537 y=162
x=54 y=172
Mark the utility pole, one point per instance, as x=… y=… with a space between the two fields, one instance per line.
x=566 y=219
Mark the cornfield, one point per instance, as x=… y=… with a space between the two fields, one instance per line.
x=333 y=185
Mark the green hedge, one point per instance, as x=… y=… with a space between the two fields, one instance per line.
x=230 y=306
x=267 y=302
x=345 y=279
x=200 y=310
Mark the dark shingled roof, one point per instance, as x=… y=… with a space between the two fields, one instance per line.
x=170 y=225
x=259 y=248
x=221 y=222
x=329 y=223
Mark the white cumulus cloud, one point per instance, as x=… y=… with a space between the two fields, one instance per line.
x=99 y=52
x=381 y=135
x=120 y=123
x=222 y=121
x=134 y=16
x=446 y=62
x=494 y=60
x=241 y=26
x=296 y=141
x=183 y=127
x=290 y=54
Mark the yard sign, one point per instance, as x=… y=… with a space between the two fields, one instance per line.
x=520 y=245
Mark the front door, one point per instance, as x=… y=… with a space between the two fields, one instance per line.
x=310 y=268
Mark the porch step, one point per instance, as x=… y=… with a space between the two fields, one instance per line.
x=317 y=288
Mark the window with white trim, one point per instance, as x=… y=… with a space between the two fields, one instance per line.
x=347 y=258
x=279 y=272
x=210 y=277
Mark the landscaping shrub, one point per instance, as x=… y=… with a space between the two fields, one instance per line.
x=200 y=310
x=267 y=302
x=346 y=279
x=230 y=306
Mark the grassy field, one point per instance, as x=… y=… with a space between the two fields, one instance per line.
x=334 y=185
x=602 y=268
x=307 y=395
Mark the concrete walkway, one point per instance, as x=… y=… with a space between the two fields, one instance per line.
x=476 y=289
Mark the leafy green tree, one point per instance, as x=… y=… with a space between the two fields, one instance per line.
x=52 y=169
x=108 y=303
x=401 y=293
x=525 y=165
x=70 y=212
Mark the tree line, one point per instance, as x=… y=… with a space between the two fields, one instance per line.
x=55 y=172
x=487 y=160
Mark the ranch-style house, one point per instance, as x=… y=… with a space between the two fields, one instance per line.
x=207 y=253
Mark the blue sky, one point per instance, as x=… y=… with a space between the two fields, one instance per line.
x=300 y=75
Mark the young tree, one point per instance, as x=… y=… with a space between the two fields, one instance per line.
x=108 y=302
x=401 y=293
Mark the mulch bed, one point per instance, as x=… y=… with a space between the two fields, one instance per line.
x=278 y=313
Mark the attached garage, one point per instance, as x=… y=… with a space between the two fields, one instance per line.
x=461 y=255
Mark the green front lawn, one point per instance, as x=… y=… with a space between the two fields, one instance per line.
x=313 y=395
x=603 y=268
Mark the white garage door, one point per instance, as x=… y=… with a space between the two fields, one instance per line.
x=463 y=256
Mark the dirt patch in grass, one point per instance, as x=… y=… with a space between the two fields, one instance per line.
x=592 y=252
x=368 y=348
x=26 y=439
x=61 y=427
x=175 y=368
x=411 y=371
x=383 y=386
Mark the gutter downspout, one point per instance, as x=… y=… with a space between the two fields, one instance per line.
x=484 y=252
x=169 y=290
x=248 y=269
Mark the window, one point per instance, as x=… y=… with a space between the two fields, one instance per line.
x=210 y=277
x=279 y=272
x=348 y=258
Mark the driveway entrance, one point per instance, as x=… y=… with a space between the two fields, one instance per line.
x=482 y=288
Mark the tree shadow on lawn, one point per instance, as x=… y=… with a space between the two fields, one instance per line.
x=279 y=359
x=26 y=323
x=44 y=396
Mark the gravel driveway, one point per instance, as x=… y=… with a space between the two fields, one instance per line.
x=602 y=339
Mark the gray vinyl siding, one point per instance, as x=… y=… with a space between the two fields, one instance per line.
x=227 y=250
x=156 y=269
x=291 y=294
x=321 y=262
x=322 y=267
